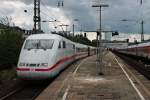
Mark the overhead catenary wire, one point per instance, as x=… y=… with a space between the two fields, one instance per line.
x=44 y=6
x=50 y=18
x=45 y=14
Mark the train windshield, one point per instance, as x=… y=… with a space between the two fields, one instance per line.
x=39 y=44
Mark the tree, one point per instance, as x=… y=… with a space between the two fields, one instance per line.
x=10 y=46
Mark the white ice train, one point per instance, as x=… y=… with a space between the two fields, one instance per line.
x=44 y=55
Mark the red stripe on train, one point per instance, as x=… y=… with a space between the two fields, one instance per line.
x=57 y=64
x=61 y=61
x=22 y=69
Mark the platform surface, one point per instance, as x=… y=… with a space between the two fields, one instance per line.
x=84 y=83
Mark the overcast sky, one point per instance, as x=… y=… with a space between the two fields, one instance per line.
x=80 y=9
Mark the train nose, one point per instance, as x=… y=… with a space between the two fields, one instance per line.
x=38 y=57
x=31 y=75
x=28 y=71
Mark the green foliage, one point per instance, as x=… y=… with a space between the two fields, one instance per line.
x=94 y=42
x=10 y=46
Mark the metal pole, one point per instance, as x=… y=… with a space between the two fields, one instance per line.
x=73 y=26
x=66 y=29
x=34 y=16
x=142 y=31
x=142 y=25
x=37 y=17
x=81 y=30
x=99 y=59
x=73 y=29
x=100 y=37
x=97 y=44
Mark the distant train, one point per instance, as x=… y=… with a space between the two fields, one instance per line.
x=43 y=56
x=139 y=50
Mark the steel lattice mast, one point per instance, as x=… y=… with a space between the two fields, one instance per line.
x=37 y=17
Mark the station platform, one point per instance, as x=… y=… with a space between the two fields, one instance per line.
x=82 y=82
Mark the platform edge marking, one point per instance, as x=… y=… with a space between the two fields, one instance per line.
x=66 y=93
x=132 y=83
x=79 y=66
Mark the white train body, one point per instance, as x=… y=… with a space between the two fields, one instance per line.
x=44 y=55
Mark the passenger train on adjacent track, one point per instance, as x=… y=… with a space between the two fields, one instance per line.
x=141 y=50
x=43 y=56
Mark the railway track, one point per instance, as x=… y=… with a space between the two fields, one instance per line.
x=26 y=92
x=30 y=90
x=141 y=65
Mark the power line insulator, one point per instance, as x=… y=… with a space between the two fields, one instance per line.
x=58 y=4
x=62 y=3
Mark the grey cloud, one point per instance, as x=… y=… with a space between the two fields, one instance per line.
x=111 y=16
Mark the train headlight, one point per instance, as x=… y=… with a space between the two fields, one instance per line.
x=44 y=65
x=22 y=64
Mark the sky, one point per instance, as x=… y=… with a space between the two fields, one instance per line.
x=88 y=17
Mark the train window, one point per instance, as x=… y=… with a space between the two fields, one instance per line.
x=46 y=44
x=69 y=45
x=64 y=44
x=59 y=46
x=39 y=44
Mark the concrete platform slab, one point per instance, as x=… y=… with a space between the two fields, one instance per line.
x=84 y=83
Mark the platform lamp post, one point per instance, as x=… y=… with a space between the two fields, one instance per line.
x=142 y=27
x=99 y=59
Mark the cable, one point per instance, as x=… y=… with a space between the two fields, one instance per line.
x=47 y=9
x=48 y=15
x=49 y=18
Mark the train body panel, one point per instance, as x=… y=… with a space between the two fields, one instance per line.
x=44 y=55
x=140 y=50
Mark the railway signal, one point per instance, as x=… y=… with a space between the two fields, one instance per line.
x=115 y=33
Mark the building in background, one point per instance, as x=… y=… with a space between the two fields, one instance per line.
x=108 y=36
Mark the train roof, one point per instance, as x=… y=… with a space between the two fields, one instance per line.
x=44 y=36
x=54 y=36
